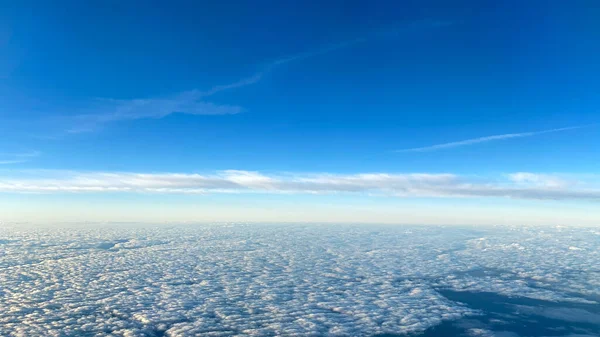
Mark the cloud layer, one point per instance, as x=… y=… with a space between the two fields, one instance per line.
x=295 y=280
x=518 y=185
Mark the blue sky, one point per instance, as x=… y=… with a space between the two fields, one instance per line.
x=485 y=104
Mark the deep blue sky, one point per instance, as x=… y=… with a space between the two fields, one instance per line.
x=376 y=76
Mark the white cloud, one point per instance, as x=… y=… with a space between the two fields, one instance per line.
x=485 y=140
x=235 y=181
x=216 y=281
x=283 y=280
x=542 y=180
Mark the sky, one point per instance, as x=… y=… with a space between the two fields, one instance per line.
x=407 y=112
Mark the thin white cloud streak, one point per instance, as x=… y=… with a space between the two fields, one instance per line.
x=17 y=158
x=121 y=110
x=517 y=186
x=191 y=102
x=325 y=50
x=187 y=102
x=486 y=139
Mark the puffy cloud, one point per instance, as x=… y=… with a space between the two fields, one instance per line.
x=248 y=280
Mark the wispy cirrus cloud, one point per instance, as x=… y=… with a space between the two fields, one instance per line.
x=404 y=185
x=487 y=139
x=17 y=158
x=190 y=102
x=193 y=102
x=122 y=110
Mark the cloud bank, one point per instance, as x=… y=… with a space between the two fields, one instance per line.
x=295 y=280
x=518 y=185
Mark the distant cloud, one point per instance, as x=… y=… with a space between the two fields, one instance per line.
x=192 y=102
x=234 y=181
x=543 y=180
x=17 y=158
x=485 y=140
